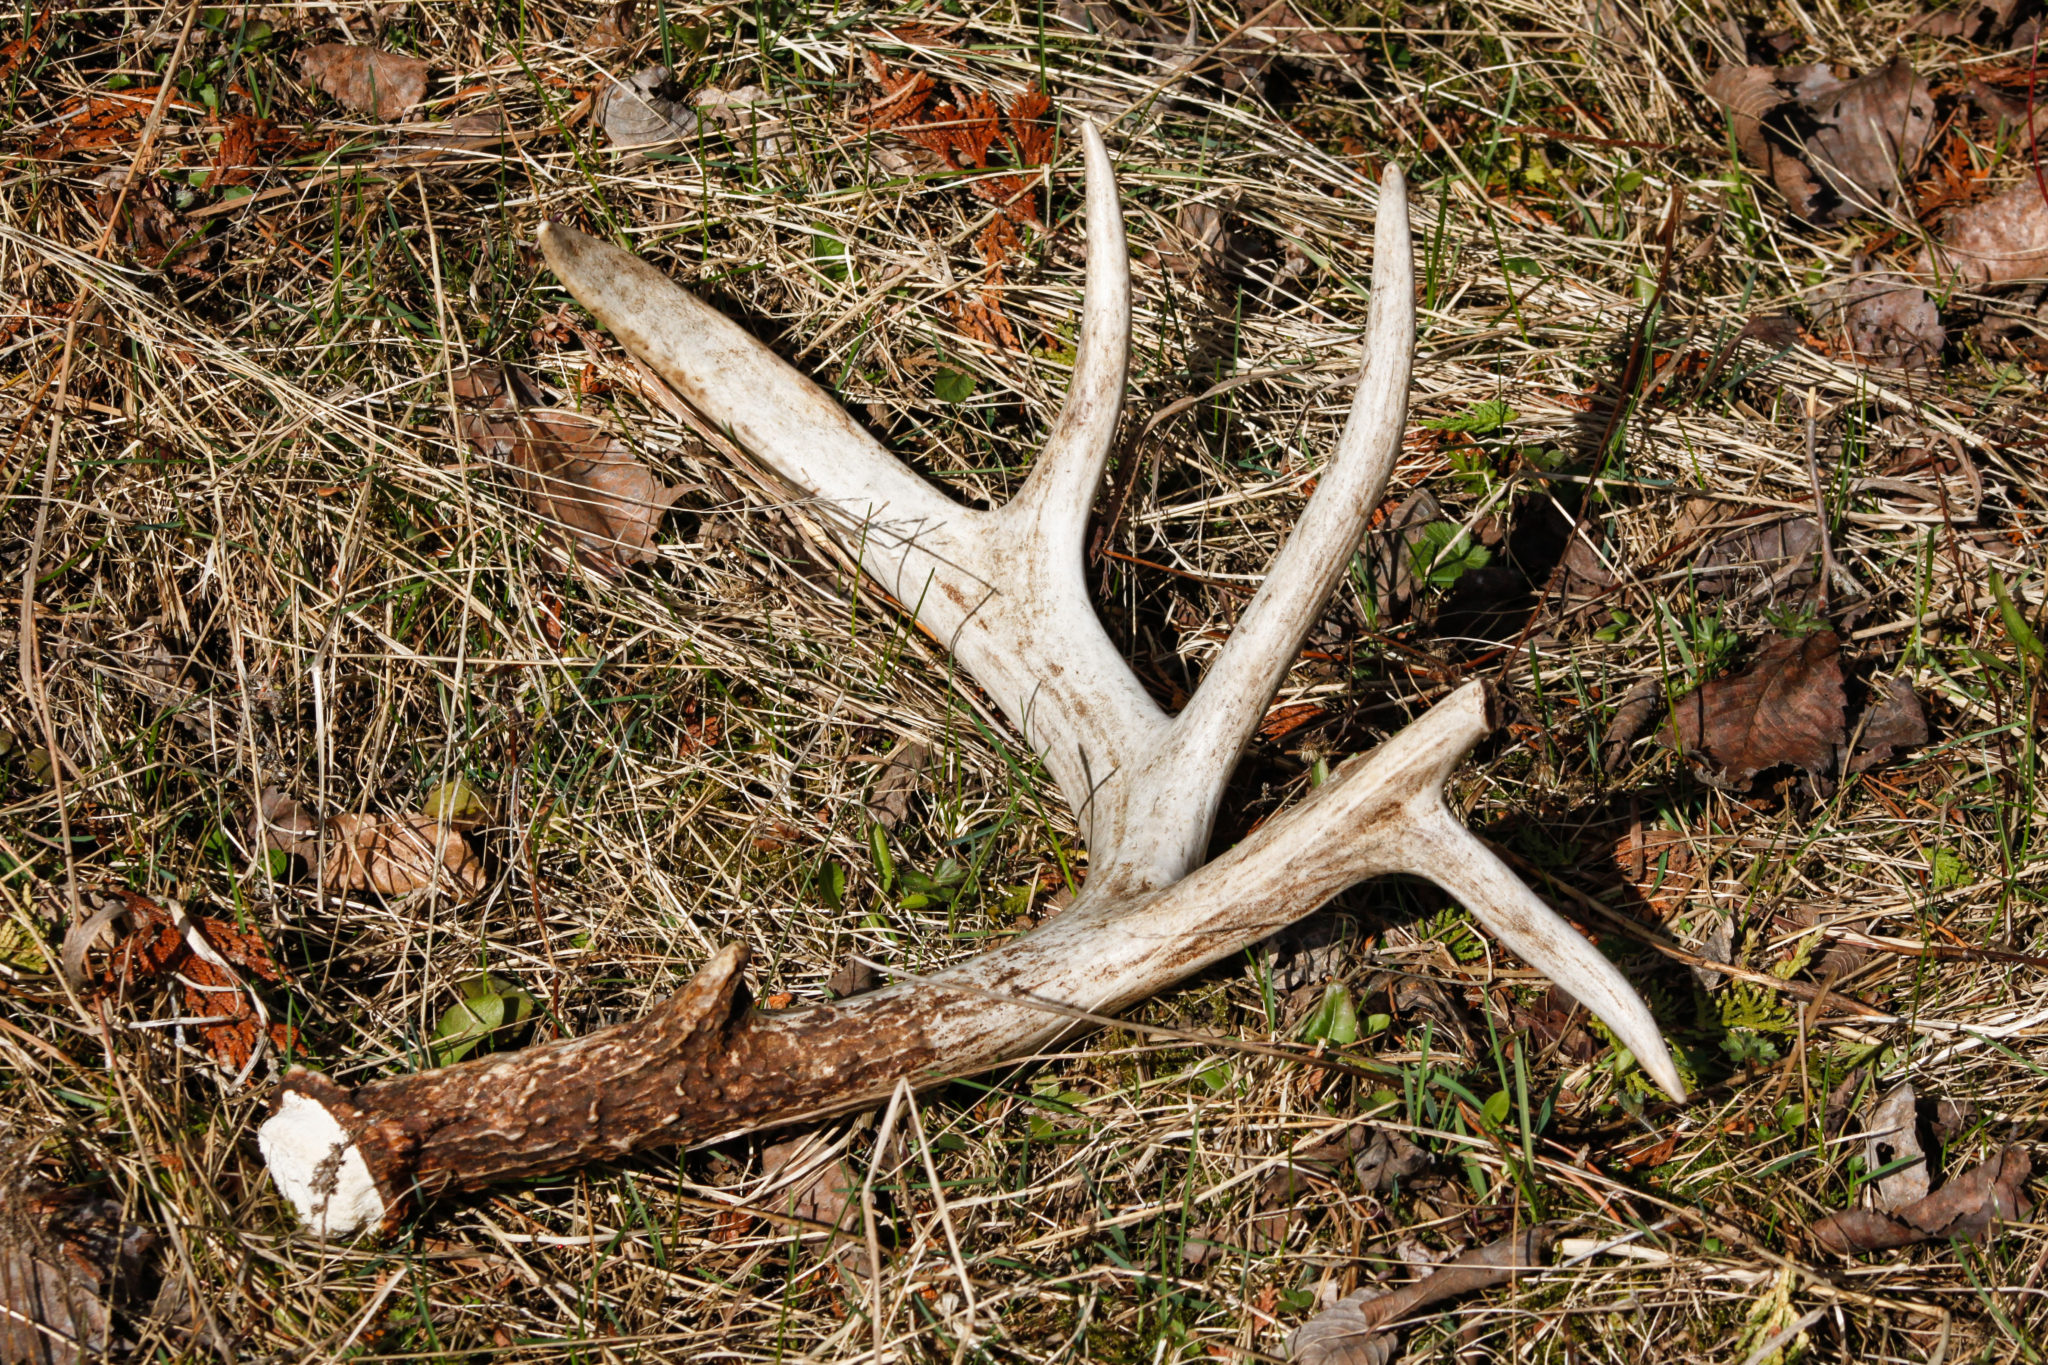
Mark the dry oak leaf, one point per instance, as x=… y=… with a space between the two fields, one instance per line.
x=1788 y=708
x=1895 y=720
x=1833 y=148
x=1662 y=866
x=1893 y=1134
x=901 y=770
x=368 y=80
x=1969 y=1206
x=1632 y=715
x=1782 y=551
x=748 y=115
x=1280 y=34
x=464 y=133
x=1981 y=21
x=578 y=475
x=1887 y=320
x=634 y=113
x=388 y=854
x=1350 y=1333
x=822 y=1192
x=617 y=27
x=66 y=1257
x=2005 y=238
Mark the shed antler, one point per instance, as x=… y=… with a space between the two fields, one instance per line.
x=1005 y=590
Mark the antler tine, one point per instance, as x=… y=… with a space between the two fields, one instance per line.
x=1441 y=849
x=1004 y=591
x=769 y=407
x=1052 y=507
x=1188 y=777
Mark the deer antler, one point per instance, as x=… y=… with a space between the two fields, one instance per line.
x=1005 y=590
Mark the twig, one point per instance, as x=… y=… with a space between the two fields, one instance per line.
x=1820 y=507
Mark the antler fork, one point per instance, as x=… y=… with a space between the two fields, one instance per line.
x=1005 y=590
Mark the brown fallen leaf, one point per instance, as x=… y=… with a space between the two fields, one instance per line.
x=68 y=1258
x=579 y=476
x=1893 y=1134
x=198 y=953
x=1378 y=1160
x=1388 y=547
x=824 y=1192
x=617 y=27
x=748 y=115
x=1977 y=21
x=1583 y=571
x=2003 y=238
x=148 y=226
x=1782 y=553
x=1615 y=27
x=852 y=976
x=1788 y=708
x=1834 y=148
x=1886 y=319
x=1969 y=1206
x=1280 y=34
x=1557 y=1020
x=369 y=80
x=1662 y=866
x=1894 y=720
x=1632 y=715
x=896 y=782
x=1349 y=1333
x=635 y=114
x=464 y=133
x=388 y=854
x=1199 y=245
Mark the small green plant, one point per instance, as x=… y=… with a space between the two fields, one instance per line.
x=1480 y=419
x=1450 y=928
x=2015 y=621
x=830 y=881
x=455 y=800
x=1747 y=1047
x=1714 y=643
x=1442 y=553
x=491 y=1011
x=1335 y=1020
x=830 y=255
x=1051 y=1102
x=1618 y=622
x=21 y=943
x=878 y=850
x=1797 y=622
x=1474 y=466
x=953 y=386
x=942 y=885
x=1947 y=870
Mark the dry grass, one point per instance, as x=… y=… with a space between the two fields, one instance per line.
x=262 y=558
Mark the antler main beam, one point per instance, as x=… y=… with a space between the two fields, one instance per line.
x=1006 y=592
